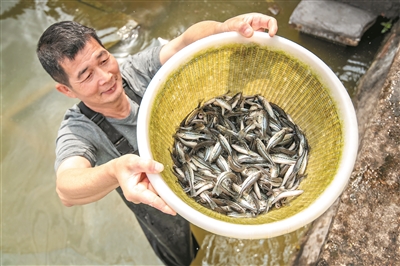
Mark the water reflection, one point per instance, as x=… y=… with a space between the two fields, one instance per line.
x=36 y=228
x=353 y=71
x=219 y=250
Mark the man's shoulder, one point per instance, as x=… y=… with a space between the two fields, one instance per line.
x=73 y=113
x=138 y=69
x=145 y=62
x=74 y=116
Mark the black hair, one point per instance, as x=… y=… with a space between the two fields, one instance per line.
x=60 y=41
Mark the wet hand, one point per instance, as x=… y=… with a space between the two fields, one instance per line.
x=246 y=24
x=135 y=184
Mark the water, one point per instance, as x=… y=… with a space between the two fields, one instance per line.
x=36 y=228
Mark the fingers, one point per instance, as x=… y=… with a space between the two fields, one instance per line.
x=135 y=184
x=248 y=23
x=150 y=198
x=139 y=164
x=272 y=26
x=262 y=22
x=143 y=192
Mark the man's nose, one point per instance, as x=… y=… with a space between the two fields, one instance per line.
x=104 y=76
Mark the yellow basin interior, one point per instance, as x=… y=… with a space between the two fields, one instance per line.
x=252 y=69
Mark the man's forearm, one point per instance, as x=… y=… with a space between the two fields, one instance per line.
x=244 y=24
x=82 y=185
x=195 y=32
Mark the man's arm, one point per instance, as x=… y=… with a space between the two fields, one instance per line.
x=79 y=183
x=244 y=24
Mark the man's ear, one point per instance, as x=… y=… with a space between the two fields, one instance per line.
x=65 y=90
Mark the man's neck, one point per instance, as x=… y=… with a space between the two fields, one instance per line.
x=117 y=110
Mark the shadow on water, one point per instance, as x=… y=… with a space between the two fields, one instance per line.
x=36 y=228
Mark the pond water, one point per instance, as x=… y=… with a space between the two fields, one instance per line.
x=36 y=228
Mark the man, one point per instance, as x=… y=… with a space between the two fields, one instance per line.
x=88 y=166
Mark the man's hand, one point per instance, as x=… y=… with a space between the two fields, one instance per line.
x=131 y=174
x=79 y=183
x=246 y=24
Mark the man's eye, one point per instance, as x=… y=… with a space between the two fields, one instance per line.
x=88 y=77
x=104 y=61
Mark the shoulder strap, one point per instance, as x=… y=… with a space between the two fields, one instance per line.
x=133 y=96
x=119 y=141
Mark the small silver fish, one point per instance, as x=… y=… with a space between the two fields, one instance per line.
x=240 y=155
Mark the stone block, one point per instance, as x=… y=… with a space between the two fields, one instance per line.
x=385 y=8
x=333 y=21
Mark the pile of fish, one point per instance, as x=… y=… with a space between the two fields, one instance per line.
x=240 y=155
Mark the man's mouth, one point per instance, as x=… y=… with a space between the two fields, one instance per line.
x=110 y=90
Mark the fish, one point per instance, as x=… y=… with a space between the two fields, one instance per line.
x=240 y=155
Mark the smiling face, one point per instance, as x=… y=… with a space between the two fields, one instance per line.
x=94 y=77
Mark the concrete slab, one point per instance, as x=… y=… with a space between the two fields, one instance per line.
x=386 y=8
x=333 y=21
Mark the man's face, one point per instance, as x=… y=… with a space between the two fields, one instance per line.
x=94 y=76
